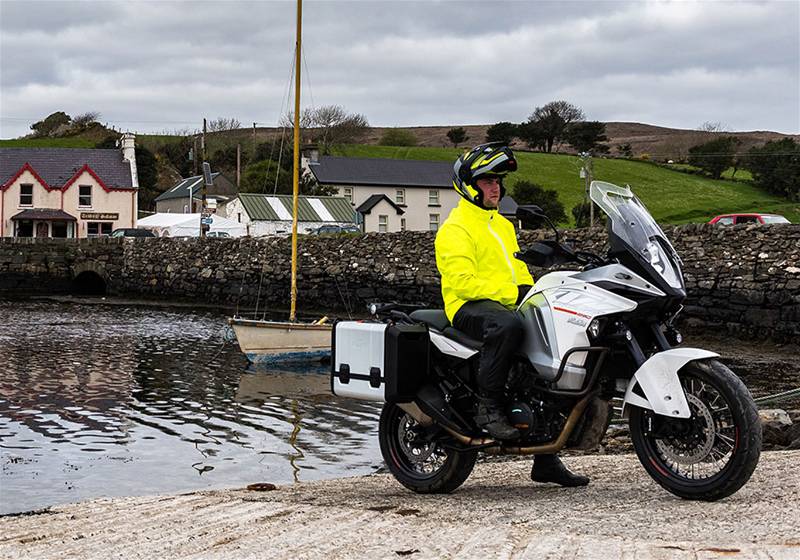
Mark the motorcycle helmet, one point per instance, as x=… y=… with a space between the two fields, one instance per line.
x=494 y=159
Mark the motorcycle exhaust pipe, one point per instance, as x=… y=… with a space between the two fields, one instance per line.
x=416 y=413
x=552 y=447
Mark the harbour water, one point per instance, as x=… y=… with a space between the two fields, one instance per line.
x=115 y=400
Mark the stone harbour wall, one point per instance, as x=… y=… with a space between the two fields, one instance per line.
x=743 y=279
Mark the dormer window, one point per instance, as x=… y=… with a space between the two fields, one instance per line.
x=85 y=196
x=26 y=195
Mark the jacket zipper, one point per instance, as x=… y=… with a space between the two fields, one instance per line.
x=505 y=251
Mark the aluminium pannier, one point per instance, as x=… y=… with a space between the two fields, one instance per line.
x=378 y=361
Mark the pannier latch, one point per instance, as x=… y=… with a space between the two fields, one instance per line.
x=375 y=377
x=344 y=373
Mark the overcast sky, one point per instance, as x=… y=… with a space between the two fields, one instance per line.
x=163 y=66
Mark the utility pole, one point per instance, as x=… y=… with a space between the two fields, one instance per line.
x=207 y=176
x=238 y=164
x=587 y=172
x=254 y=141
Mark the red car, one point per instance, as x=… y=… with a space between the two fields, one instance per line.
x=730 y=219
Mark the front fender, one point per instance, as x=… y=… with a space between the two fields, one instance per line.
x=658 y=381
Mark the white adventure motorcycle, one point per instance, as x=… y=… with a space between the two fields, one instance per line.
x=592 y=335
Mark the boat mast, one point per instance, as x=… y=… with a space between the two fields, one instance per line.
x=296 y=161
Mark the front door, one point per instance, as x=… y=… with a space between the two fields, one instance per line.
x=42 y=229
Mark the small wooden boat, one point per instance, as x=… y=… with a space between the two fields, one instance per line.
x=281 y=341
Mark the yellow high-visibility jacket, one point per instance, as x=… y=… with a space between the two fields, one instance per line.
x=475 y=256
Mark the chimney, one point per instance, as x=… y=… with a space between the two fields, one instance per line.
x=127 y=142
x=308 y=157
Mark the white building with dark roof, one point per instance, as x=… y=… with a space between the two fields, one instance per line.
x=186 y=197
x=391 y=194
x=63 y=192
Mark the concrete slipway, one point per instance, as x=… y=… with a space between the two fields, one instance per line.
x=498 y=513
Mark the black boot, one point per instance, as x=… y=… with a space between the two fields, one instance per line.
x=492 y=418
x=549 y=468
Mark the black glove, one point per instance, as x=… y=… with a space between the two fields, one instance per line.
x=523 y=290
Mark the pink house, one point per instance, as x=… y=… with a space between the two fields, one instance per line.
x=62 y=192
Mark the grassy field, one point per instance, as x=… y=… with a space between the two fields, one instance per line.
x=671 y=196
x=71 y=142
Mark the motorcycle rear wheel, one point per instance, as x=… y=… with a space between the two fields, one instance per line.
x=721 y=443
x=421 y=466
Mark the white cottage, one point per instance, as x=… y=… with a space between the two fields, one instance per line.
x=266 y=214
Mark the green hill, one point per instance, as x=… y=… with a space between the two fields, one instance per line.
x=671 y=196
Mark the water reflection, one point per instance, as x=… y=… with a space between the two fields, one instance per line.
x=110 y=400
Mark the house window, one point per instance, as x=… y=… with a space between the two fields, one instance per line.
x=26 y=195
x=433 y=197
x=97 y=229
x=347 y=192
x=402 y=224
x=383 y=223
x=239 y=217
x=59 y=229
x=25 y=228
x=433 y=222
x=85 y=195
x=400 y=196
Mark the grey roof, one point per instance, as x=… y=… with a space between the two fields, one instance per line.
x=56 y=166
x=332 y=170
x=53 y=214
x=367 y=206
x=258 y=207
x=181 y=190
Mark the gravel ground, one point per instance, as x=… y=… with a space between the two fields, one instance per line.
x=498 y=513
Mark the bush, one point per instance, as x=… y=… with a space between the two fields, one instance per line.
x=525 y=192
x=582 y=214
x=398 y=137
x=776 y=167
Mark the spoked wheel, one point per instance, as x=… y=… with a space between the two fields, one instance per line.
x=710 y=455
x=422 y=466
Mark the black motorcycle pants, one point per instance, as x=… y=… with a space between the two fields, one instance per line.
x=501 y=332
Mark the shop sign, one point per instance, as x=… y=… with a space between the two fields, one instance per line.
x=99 y=216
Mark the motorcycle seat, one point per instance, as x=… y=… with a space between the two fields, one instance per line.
x=437 y=319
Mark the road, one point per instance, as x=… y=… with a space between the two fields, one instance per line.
x=498 y=513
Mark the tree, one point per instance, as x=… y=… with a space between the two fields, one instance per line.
x=502 y=132
x=526 y=192
x=84 y=120
x=328 y=126
x=776 y=167
x=457 y=136
x=222 y=124
x=715 y=156
x=712 y=126
x=398 y=137
x=50 y=124
x=147 y=172
x=625 y=150
x=553 y=119
x=584 y=136
x=533 y=135
x=274 y=175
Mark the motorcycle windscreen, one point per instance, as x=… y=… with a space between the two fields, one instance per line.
x=636 y=228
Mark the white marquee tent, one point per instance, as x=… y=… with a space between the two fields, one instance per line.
x=188 y=225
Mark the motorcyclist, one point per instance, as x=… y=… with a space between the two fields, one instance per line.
x=481 y=283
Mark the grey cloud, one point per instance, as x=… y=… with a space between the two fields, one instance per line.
x=405 y=63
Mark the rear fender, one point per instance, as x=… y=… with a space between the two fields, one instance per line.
x=658 y=380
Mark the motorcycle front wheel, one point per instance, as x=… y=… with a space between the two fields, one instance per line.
x=425 y=467
x=710 y=455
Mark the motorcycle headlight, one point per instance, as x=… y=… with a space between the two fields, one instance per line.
x=594 y=328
